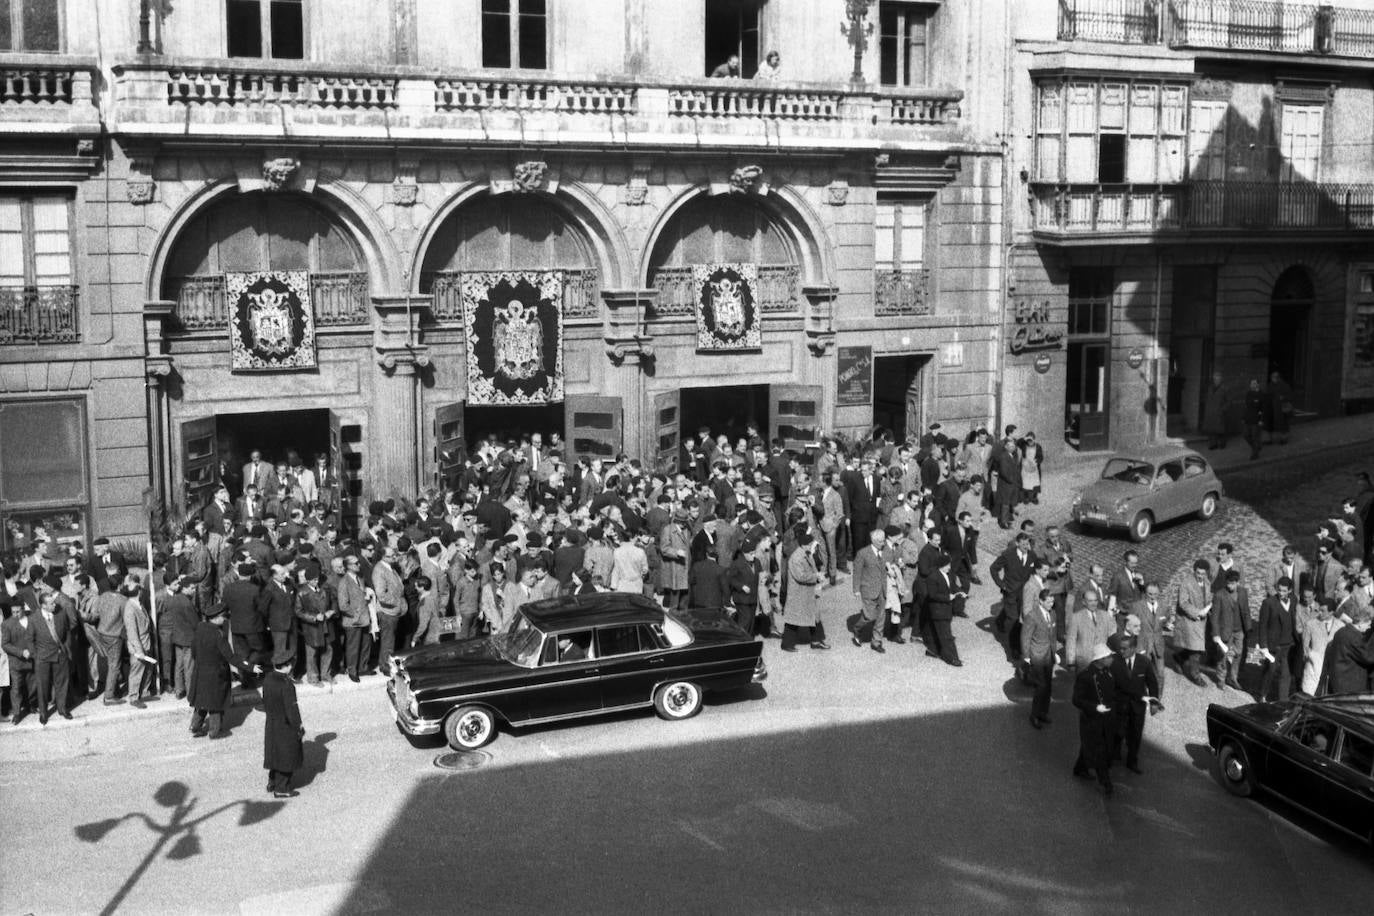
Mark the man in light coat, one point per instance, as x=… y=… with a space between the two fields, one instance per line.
x=1088 y=625
x=391 y=605
x=1194 y=605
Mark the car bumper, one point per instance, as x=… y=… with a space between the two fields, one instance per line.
x=760 y=673
x=1099 y=519
x=411 y=725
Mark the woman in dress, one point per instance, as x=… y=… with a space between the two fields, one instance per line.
x=1032 y=456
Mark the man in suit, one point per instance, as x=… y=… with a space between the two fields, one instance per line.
x=1036 y=651
x=1088 y=625
x=246 y=624
x=1154 y=625
x=1127 y=585
x=1349 y=663
x=276 y=606
x=1289 y=565
x=1136 y=689
x=356 y=617
x=1194 y=605
x=17 y=635
x=1010 y=572
x=260 y=475
x=1277 y=633
x=862 y=487
x=1326 y=573
x=961 y=543
x=1230 y=627
x=1094 y=695
x=940 y=593
x=870 y=586
x=50 y=654
x=1005 y=462
x=391 y=605
x=743 y=579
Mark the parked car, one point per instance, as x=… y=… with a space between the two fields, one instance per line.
x=1138 y=490
x=1317 y=754
x=563 y=658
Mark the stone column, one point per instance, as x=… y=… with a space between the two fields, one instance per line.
x=630 y=347
x=392 y=466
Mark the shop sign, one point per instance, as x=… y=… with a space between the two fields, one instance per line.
x=854 y=387
x=1135 y=358
x=1031 y=327
x=1042 y=363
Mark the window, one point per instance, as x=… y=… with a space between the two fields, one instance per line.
x=30 y=25
x=1090 y=299
x=622 y=641
x=1357 y=752
x=1109 y=132
x=575 y=647
x=35 y=241
x=1300 y=142
x=1207 y=140
x=515 y=34
x=732 y=28
x=899 y=234
x=1194 y=466
x=43 y=470
x=902 y=40
x=266 y=28
x=1315 y=734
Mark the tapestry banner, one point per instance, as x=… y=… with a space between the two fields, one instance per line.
x=271 y=320
x=514 y=321
x=727 y=306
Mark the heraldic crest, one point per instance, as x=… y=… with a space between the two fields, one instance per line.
x=727 y=310
x=514 y=323
x=271 y=321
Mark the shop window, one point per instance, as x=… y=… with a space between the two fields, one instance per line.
x=899 y=234
x=43 y=470
x=266 y=28
x=515 y=34
x=902 y=40
x=35 y=241
x=30 y=25
x=732 y=28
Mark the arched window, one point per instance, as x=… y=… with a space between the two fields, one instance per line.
x=260 y=232
x=511 y=232
x=723 y=229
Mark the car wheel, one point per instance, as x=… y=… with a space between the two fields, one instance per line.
x=1141 y=526
x=469 y=727
x=1208 y=507
x=678 y=700
x=1234 y=767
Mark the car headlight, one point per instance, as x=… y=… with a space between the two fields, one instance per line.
x=1121 y=505
x=1077 y=501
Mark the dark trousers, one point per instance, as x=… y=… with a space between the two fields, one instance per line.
x=22 y=694
x=52 y=684
x=1278 y=670
x=1252 y=438
x=942 y=643
x=1042 y=679
x=1004 y=502
x=862 y=535
x=215 y=716
x=278 y=781
x=357 y=648
x=1130 y=728
x=166 y=658
x=318 y=661
x=386 y=640
x=1095 y=732
x=745 y=616
x=792 y=634
x=250 y=649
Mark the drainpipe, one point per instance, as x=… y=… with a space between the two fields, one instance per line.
x=1161 y=399
x=999 y=351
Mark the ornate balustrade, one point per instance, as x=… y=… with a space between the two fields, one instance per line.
x=39 y=314
x=524 y=94
x=778 y=290
x=581 y=290
x=47 y=89
x=337 y=298
x=901 y=293
x=204 y=86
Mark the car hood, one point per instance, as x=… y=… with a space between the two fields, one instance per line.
x=1266 y=714
x=459 y=662
x=1105 y=493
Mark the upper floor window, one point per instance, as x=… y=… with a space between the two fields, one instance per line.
x=1300 y=141
x=266 y=28
x=515 y=33
x=902 y=33
x=35 y=242
x=732 y=38
x=1110 y=132
x=30 y=25
x=899 y=234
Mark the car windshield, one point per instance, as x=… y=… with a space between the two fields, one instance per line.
x=520 y=644
x=1129 y=470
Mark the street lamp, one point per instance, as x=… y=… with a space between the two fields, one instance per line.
x=857 y=29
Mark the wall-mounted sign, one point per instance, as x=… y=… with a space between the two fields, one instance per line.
x=854 y=387
x=1042 y=363
x=1135 y=358
x=1031 y=327
x=953 y=354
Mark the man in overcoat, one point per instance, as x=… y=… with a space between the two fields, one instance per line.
x=282 y=752
x=211 y=686
x=1194 y=605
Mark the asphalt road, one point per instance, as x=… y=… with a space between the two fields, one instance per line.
x=849 y=783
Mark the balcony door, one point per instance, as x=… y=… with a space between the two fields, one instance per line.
x=732 y=28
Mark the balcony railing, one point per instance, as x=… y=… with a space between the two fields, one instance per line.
x=266 y=87
x=901 y=293
x=581 y=290
x=47 y=89
x=1236 y=25
x=1202 y=206
x=778 y=290
x=339 y=298
x=525 y=94
x=38 y=314
x=740 y=99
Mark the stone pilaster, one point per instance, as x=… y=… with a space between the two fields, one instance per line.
x=393 y=441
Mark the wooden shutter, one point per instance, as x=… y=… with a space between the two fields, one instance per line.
x=450 y=448
x=199 y=462
x=1300 y=142
x=593 y=426
x=667 y=426
x=795 y=418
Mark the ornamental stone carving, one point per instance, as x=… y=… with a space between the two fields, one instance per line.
x=747 y=179
x=277 y=173
x=531 y=176
x=837 y=193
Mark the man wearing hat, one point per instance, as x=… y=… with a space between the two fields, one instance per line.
x=282 y=752
x=1094 y=693
x=1137 y=690
x=211 y=691
x=674 y=545
x=743 y=580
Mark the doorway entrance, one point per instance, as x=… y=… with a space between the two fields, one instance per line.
x=732 y=27
x=791 y=413
x=899 y=395
x=1192 y=317
x=275 y=434
x=511 y=423
x=1290 y=321
x=726 y=410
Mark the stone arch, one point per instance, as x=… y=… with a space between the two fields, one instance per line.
x=793 y=215
x=581 y=209
x=360 y=221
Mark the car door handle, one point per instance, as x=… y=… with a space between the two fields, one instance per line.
x=658 y=660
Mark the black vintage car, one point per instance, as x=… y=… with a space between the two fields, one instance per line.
x=562 y=658
x=1317 y=754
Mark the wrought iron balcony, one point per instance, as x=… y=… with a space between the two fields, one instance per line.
x=1200 y=206
x=581 y=290
x=1268 y=26
x=339 y=298
x=39 y=314
x=778 y=291
x=901 y=293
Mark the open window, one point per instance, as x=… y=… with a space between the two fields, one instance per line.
x=515 y=34
x=902 y=38
x=732 y=29
x=623 y=640
x=265 y=28
x=575 y=646
x=1316 y=734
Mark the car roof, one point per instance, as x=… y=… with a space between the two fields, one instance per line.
x=1157 y=453
x=1352 y=709
x=601 y=609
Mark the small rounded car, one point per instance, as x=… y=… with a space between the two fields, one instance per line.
x=1318 y=754
x=565 y=658
x=1140 y=489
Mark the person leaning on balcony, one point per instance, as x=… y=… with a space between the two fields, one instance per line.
x=772 y=67
x=728 y=70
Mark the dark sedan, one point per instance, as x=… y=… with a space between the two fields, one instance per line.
x=1317 y=754
x=563 y=658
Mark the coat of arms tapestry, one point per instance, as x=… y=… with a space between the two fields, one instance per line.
x=514 y=321
x=727 y=310
x=271 y=321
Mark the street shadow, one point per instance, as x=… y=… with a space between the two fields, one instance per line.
x=316 y=759
x=1201 y=755
x=179 y=835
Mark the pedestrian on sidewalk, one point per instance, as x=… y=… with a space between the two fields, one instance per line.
x=282 y=751
x=870 y=587
x=1214 y=409
x=802 y=613
x=212 y=689
x=1253 y=417
x=1194 y=605
x=1094 y=693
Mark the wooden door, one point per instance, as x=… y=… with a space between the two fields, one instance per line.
x=333 y=492
x=199 y=463
x=593 y=426
x=450 y=447
x=667 y=430
x=794 y=413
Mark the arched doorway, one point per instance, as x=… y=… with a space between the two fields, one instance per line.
x=1290 y=320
